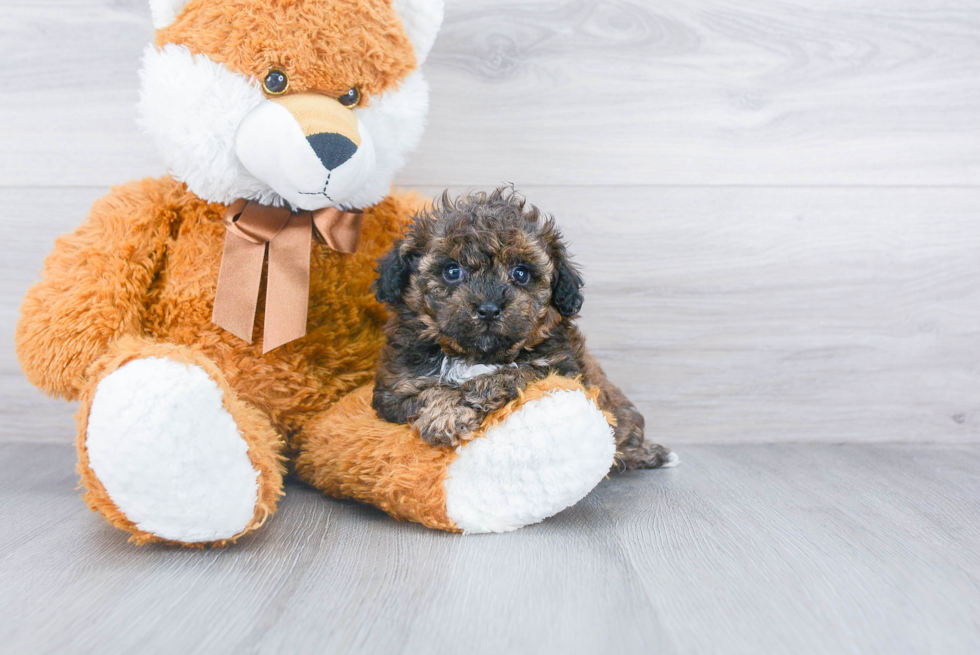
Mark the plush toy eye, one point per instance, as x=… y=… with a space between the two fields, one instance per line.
x=275 y=83
x=453 y=272
x=351 y=98
x=520 y=274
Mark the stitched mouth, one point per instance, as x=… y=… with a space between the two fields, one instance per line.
x=322 y=192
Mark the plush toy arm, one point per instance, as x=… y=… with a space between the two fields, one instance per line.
x=529 y=460
x=93 y=287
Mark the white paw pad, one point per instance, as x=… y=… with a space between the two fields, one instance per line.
x=169 y=454
x=542 y=459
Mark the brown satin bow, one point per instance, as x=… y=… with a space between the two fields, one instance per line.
x=250 y=227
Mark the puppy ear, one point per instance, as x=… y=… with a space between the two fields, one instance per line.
x=566 y=283
x=566 y=287
x=393 y=271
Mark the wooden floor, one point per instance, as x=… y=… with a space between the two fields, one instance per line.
x=743 y=549
x=776 y=206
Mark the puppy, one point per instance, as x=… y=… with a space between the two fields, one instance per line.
x=484 y=297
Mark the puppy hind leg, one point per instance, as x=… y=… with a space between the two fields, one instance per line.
x=633 y=449
x=641 y=453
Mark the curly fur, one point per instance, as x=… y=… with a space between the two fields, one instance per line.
x=438 y=321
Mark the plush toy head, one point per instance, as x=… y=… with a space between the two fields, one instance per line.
x=305 y=103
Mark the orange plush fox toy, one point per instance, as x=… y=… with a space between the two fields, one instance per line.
x=218 y=326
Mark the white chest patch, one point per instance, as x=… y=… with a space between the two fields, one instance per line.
x=457 y=371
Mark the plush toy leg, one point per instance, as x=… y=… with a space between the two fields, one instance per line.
x=532 y=459
x=168 y=452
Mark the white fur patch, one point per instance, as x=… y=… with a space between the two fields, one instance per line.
x=542 y=459
x=168 y=453
x=165 y=12
x=457 y=371
x=421 y=20
x=272 y=146
x=673 y=459
x=192 y=108
x=395 y=121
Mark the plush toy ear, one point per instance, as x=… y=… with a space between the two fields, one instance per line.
x=566 y=287
x=421 y=20
x=394 y=270
x=165 y=11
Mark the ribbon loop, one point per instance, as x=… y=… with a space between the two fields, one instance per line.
x=251 y=230
x=340 y=230
x=257 y=223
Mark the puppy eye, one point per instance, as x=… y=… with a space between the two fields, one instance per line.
x=452 y=273
x=275 y=83
x=351 y=98
x=520 y=274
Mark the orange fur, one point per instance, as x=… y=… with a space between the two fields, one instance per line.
x=146 y=264
x=351 y=453
x=322 y=45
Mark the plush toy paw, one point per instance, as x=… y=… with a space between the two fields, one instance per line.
x=545 y=456
x=163 y=456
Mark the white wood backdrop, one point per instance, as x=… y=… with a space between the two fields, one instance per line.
x=775 y=203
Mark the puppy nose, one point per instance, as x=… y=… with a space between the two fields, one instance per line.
x=488 y=311
x=332 y=149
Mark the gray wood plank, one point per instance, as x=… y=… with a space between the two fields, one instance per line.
x=809 y=545
x=742 y=549
x=574 y=93
x=727 y=314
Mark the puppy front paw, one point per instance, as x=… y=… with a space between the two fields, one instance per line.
x=447 y=425
x=488 y=393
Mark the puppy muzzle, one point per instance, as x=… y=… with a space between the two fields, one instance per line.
x=309 y=148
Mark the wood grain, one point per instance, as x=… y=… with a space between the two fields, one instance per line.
x=570 y=92
x=742 y=549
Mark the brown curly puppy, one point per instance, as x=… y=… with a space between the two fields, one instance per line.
x=484 y=298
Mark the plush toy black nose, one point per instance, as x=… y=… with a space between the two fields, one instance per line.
x=332 y=149
x=488 y=311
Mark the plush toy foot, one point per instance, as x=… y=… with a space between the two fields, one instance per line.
x=536 y=458
x=169 y=453
x=531 y=460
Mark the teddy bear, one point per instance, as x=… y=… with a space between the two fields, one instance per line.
x=217 y=325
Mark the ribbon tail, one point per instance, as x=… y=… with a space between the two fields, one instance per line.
x=288 y=290
x=239 y=279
